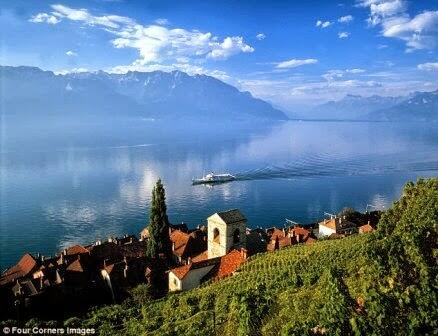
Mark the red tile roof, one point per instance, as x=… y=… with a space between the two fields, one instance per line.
x=76 y=249
x=188 y=244
x=277 y=233
x=181 y=240
x=75 y=266
x=300 y=231
x=310 y=240
x=229 y=264
x=366 y=228
x=181 y=271
x=200 y=257
x=25 y=266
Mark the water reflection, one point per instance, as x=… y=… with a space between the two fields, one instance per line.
x=97 y=182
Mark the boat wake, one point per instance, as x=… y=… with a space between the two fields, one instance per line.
x=324 y=166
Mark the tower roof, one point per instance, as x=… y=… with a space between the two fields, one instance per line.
x=231 y=216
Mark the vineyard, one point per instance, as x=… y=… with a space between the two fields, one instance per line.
x=375 y=284
x=364 y=284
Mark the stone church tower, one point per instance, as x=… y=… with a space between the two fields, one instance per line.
x=226 y=230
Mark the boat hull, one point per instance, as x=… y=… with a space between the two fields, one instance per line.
x=213 y=181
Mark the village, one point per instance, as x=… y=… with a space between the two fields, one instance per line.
x=103 y=272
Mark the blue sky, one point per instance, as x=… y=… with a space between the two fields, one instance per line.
x=292 y=53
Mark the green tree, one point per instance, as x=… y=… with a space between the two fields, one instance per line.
x=159 y=240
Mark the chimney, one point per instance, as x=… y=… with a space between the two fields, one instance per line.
x=131 y=240
x=173 y=246
x=42 y=258
x=64 y=252
x=369 y=222
x=244 y=253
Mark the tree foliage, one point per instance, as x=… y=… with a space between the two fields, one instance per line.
x=159 y=240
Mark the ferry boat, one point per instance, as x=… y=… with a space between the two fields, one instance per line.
x=214 y=178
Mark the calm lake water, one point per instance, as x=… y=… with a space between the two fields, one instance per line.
x=76 y=184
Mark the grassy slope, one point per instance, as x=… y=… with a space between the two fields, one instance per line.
x=379 y=283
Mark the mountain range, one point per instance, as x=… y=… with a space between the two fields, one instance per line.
x=418 y=106
x=31 y=91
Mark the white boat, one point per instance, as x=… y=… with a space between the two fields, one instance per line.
x=214 y=178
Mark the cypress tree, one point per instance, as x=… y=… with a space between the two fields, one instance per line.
x=159 y=240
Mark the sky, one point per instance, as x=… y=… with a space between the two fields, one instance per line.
x=291 y=53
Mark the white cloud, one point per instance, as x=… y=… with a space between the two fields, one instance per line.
x=355 y=71
x=82 y=15
x=293 y=63
x=343 y=35
x=155 y=43
x=346 y=19
x=162 y=22
x=428 y=66
x=260 y=36
x=71 y=53
x=333 y=75
x=323 y=24
x=418 y=32
x=44 y=17
x=230 y=46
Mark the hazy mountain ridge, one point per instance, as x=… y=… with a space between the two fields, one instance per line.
x=421 y=106
x=378 y=108
x=155 y=94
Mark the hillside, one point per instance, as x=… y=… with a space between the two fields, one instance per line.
x=374 y=284
x=32 y=92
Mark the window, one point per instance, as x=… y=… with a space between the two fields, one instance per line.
x=236 y=236
x=216 y=235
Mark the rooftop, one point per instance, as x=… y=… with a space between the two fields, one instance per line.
x=231 y=216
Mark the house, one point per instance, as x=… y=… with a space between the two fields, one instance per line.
x=366 y=228
x=25 y=267
x=279 y=239
x=193 y=274
x=187 y=245
x=226 y=236
x=337 y=225
x=189 y=276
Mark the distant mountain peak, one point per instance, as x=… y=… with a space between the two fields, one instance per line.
x=155 y=94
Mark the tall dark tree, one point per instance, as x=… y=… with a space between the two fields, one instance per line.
x=159 y=240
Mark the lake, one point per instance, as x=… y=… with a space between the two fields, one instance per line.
x=67 y=184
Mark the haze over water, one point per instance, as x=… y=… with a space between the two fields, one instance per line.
x=77 y=184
